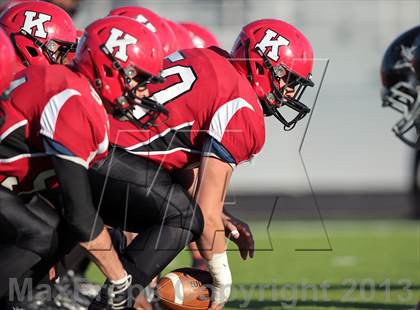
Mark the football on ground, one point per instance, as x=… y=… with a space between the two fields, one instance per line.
x=186 y=288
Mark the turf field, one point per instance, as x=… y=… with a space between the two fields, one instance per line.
x=371 y=265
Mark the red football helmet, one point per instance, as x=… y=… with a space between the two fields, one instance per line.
x=277 y=59
x=181 y=34
x=120 y=57
x=41 y=32
x=201 y=37
x=152 y=21
x=7 y=61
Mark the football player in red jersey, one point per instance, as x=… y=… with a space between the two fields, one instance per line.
x=216 y=103
x=41 y=32
x=56 y=127
x=170 y=45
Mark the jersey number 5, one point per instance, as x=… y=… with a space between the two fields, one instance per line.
x=187 y=78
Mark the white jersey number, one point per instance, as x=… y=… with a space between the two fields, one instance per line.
x=187 y=79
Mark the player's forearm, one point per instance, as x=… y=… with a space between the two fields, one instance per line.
x=213 y=248
x=104 y=255
x=212 y=239
x=79 y=212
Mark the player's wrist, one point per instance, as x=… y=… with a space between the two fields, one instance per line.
x=121 y=280
x=218 y=267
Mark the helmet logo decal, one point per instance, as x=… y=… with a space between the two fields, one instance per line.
x=141 y=19
x=274 y=44
x=119 y=40
x=407 y=55
x=31 y=21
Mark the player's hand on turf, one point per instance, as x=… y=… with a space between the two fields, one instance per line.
x=142 y=303
x=52 y=274
x=240 y=233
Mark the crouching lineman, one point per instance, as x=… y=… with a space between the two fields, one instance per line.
x=56 y=127
x=216 y=104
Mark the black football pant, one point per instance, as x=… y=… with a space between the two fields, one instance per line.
x=28 y=235
x=134 y=194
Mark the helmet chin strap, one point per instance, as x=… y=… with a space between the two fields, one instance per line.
x=98 y=82
x=273 y=111
x=248 y=64
x=18 y=51
x=49 y=49
x=276 y=99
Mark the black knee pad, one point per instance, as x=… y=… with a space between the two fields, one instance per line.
x=183 y=212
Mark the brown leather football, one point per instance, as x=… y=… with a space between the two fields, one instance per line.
x=186 y=288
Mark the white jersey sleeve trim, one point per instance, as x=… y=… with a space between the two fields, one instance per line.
x=52 y=109
x=163 y=133
x=157 y=153
x=18 y=157
x=12 y=128
x=103 y=146
x=223 y=116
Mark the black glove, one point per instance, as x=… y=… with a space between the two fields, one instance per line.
x=113 y=295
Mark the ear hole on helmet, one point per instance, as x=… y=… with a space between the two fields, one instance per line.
x=32 y=51
x=108 y=71
x=260 y=69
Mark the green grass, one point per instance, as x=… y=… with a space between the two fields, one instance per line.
x=371 y=265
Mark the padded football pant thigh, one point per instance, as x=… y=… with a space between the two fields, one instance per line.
x=27 y=235
x=150 y=252
x=132 y=193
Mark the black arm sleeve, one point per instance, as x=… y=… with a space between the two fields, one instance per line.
x=79 y=212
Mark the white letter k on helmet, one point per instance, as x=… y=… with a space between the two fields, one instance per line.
x=116 y=41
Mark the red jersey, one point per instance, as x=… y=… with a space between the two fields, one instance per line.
x=59 y=105
x=204 y=95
